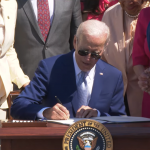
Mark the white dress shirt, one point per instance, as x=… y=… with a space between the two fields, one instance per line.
x=51 y=9
x=89 y=78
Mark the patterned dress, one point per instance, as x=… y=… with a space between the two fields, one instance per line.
x=103 y=4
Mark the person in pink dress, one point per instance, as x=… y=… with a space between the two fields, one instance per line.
x=94 y=9
x=141 y=58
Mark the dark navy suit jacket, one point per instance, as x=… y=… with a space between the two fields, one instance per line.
x=55 y=76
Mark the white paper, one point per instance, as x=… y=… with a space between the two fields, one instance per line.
x=71 y=121
x=107 y=119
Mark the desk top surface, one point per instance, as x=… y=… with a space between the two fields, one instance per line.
x=52 y=130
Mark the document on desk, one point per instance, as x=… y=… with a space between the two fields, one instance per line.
x=122 y=119
x=107 y=119
x=71 y=121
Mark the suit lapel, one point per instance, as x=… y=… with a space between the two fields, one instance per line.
x=98 y=82
x=69 y=78
x=27 y=6
x=58 y=6
x=69 y=71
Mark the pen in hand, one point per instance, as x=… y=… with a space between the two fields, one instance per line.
x=61 y=104
x=58 y=100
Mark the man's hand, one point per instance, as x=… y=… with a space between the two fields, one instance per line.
x=57 y=112
x=86 y=112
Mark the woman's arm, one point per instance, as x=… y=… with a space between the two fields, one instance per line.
x=16 y=73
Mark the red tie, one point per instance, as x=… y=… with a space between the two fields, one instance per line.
x=43 y=17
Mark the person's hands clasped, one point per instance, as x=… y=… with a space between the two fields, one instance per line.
x=86 y=112
x=57 y=112
x=147 y=71
x=144 y=82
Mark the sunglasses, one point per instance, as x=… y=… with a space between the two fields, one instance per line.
x=93 y=54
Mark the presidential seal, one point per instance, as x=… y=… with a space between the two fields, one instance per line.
x=87 y=135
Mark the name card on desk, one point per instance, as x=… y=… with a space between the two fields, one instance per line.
x=22 y=123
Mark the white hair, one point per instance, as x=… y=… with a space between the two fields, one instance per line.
x=93 y=27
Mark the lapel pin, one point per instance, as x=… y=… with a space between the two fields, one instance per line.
x=101 y=73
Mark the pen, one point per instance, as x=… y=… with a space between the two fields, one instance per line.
x=61 y=104
x=58 y=100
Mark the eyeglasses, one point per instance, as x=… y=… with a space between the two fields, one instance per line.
x=94 y=55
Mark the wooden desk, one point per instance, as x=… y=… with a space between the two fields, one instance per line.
x=131 y=136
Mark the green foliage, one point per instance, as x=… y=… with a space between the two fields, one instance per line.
x=77 y=147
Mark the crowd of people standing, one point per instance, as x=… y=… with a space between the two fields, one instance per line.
x=40 y=29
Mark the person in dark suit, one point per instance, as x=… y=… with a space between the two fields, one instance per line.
x=86 y=85
x=64 y=17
